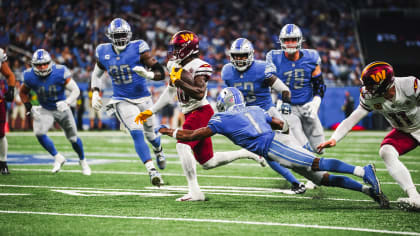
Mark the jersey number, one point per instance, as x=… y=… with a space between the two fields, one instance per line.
x=253 y=122
x=43 y=94
x=121 y=74
x=400 y=117
x=249 y=88
x=296 y=77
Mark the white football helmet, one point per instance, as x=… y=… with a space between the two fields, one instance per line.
x=291 y=31
x=241 y=47
x=230 y=98
x=119 y=32
x=41 y=57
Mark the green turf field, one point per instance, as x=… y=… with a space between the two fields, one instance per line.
x=242 y=197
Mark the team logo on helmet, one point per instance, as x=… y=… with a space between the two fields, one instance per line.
x=377 y=77
x=182 y=45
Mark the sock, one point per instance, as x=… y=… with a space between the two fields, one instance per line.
x=397 y=169
x=140 y=145
x=47 y=143
x=223 y=158
x=149 y=166
x=189 y=166
x=3 y=149
x=78 y=148
x=359 y=171
x=344 y=182
x=334 y=165
x=283 y=171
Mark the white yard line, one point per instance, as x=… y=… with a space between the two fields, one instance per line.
x=215 y=221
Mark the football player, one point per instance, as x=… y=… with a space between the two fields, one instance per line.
x=252 y=128
x=49 y=81
x=8 y=97
x=128 y=63
x=398 y=100
x=254 y=78
x=184 y=58
x=300 y=70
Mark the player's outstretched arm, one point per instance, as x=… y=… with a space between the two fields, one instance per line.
x=187 y=135
x=157 y=69
x=344 y=127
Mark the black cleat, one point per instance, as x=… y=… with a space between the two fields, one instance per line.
x=380 y=198
x=3 y=168
x=298 y=188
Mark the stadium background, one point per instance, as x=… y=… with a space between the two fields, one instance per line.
x=347 y=34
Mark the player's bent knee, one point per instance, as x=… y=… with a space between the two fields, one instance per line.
x=210 y=164
x=73 y=139
x=325 y=180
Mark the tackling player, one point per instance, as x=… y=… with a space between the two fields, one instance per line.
x=192 y=99
x=300 y=70
x=49 y=81
x=252 y=128
x=254 y=78
x=125 y=62
x=8 y=97
x=398 y=100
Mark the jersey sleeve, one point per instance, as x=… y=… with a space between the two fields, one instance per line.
x=268 y=118
x=226 y=75
x=67 y=73
x=143 y=47
x=363 y=102
x=269 y=70
x=26 y=78
x=204 y=69
x=214 y=123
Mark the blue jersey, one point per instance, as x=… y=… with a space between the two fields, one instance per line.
x=49 y=89
x=125 y=82
x=296 y=75
x=252 y=82
x=248 y=127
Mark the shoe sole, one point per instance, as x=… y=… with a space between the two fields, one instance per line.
x=383 y=201
x=376 y=178
x=156 y=181
x=407 y=207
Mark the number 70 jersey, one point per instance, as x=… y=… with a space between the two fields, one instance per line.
x=403 y=112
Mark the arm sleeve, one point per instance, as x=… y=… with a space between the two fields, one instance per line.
x=97 y=73
x=74 y=91
x=167 y=96
x=279 y=86
x=348 y=123
x=318 y=85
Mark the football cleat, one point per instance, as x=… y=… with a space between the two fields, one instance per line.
x=85 y=167
x=58 y=163
x=370 y=178
x=381 y=199
x=156 y=178
x=190 y=197
x=160 y=159
x=3 y=168
x=310 y=185
x=298 y=188
x=409 y=204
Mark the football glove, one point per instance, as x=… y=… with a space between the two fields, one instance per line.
x=10 y=94
x=311 y=108
x=28 y=107
x=175 y=75
x=96 y=101
x=62 y=106
x=140 y=70
x=286 y=108
x=142 y=116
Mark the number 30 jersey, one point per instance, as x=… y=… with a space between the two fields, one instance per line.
x=196 y=67
x=125 y=82
x=296 y=75
x=403 y=112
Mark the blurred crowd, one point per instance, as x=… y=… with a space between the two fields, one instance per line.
x=70 y=30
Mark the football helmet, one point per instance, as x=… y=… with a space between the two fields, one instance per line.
x=377 y=77
x=241 y=48
x=230 y=98
x=182 y=45
x=119 y=32
x=41 y=57
x=291 y=31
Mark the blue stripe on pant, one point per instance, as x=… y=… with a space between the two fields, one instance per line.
x=290 y=154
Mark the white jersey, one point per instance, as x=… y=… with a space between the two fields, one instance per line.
x=403 y=112
x=3 y=56
x=196 y=67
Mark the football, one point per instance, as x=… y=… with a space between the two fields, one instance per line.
x=186 y=76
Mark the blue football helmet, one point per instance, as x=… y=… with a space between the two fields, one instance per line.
x=119 y=32
x=41 y=57
x=230 y=98
x=291 y=31
x=241 y=48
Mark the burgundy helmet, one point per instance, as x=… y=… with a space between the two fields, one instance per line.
x=377 y=77
x=182 y=45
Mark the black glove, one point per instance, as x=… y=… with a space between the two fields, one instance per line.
x=10 y=94
x=28 y=107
